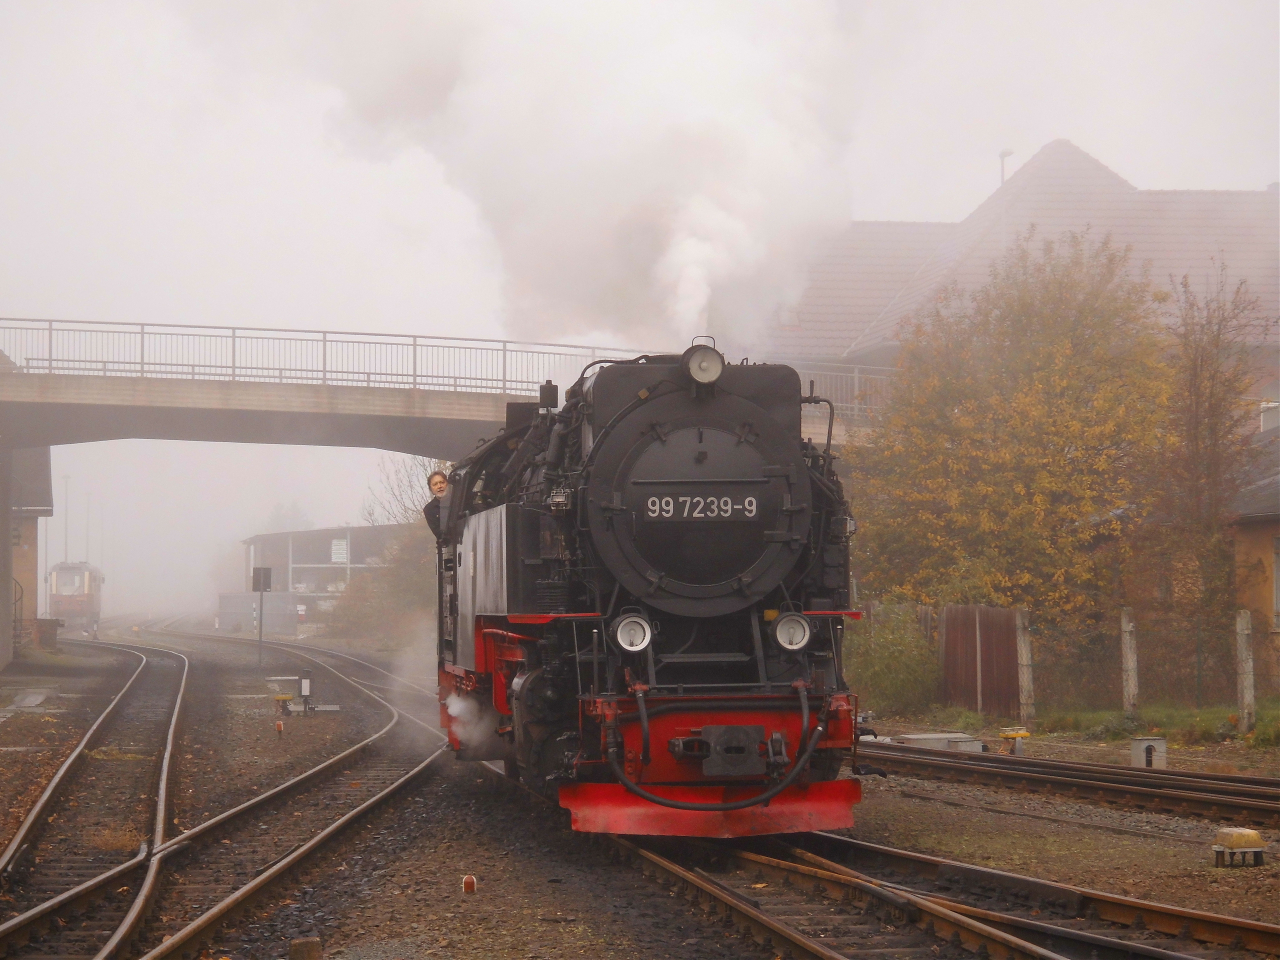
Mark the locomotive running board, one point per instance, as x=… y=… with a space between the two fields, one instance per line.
x=611 y=808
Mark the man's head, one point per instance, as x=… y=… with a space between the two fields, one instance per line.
x=438 y=484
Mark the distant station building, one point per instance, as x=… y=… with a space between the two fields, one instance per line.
x=31 y=497
x=309 y=571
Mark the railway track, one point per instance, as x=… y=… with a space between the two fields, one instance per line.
x=810 y=895
x=1253 y=801
x=825 y=896
x=110 y=795
x=178 y=893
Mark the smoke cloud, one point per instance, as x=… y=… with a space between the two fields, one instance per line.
x=640 y=166
x=476 y=725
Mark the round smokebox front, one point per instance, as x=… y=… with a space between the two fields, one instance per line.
x=699 y=507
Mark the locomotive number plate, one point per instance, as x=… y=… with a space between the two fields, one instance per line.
x=700 y=508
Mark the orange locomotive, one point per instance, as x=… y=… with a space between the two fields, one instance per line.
x=75 y=595
x=642 y=599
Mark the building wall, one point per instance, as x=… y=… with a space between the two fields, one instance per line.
x=26 y=564
x=321 y=561
x=238 y=613
x=1256 y=546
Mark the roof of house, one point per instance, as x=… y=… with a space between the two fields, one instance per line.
x=375 y=530
x=876 y=275
x=1261 y=499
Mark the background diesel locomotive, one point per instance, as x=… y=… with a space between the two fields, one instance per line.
x=75 y=594
x=642 y=597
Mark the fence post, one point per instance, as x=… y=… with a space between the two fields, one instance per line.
x=142 y=349
x=1026 y=691
x=977 y=628
x=415 y=363
x=324 y=357
x=233 y=353
x=51 y=346
x=1244 y=670
x=504 y=367
x=1129 y=661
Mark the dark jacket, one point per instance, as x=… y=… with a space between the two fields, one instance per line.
x=432 y=512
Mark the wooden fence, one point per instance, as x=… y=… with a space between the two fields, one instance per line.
x=983 y=668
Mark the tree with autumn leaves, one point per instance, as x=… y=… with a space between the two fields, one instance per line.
x=1025 y=445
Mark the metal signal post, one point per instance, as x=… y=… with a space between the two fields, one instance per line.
x=261 y=586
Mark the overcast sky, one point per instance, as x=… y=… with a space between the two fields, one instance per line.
x=583 y=172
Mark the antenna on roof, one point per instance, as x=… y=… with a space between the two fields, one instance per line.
x=1004 y=155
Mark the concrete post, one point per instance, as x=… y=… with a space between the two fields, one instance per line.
x=1026 y=692
x=1129 y=661
x=977 y=626
x=1244 y=670
x=6 y=558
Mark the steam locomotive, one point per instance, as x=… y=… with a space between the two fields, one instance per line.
x=75 y=594
x=642 y=595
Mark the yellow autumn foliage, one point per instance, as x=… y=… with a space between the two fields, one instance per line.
x=1005 y=468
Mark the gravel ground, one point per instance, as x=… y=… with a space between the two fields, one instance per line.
x=34 y=744
x=230 y=748
x=1084 y=854
x=393 y=889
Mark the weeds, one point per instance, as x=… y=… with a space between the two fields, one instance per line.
x=889 y=662
x=1264 y=735
x=1182 y=725
x=956 y=718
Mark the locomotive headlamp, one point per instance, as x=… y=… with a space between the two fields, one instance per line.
x=704 y=363
x=633 y=632
x=792 y=631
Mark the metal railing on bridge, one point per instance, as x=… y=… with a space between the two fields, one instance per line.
x=338 y=358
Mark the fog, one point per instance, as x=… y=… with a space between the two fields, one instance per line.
x=591 y=173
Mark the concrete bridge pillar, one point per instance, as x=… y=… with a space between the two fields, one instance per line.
x=6 y=557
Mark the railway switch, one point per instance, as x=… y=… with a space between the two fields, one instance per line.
x=1241 y=840
x=301 y=692
x=1013 y=737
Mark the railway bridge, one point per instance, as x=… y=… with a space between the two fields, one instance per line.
x=77 y=382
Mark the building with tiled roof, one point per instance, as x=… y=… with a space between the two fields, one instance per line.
x=876 y=274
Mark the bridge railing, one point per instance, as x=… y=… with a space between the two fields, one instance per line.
x=336 y=358
x=257 y=354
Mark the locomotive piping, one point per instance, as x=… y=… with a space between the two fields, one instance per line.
x=831 y=423
x=644 y=728
x=801 y=763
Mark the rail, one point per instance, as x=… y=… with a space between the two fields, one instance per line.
x=1162 y=791
x=348 y=358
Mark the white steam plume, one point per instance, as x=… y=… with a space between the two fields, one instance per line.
x=476 y=726
x=640 y=166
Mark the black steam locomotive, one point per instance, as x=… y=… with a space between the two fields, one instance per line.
x=642 y=596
